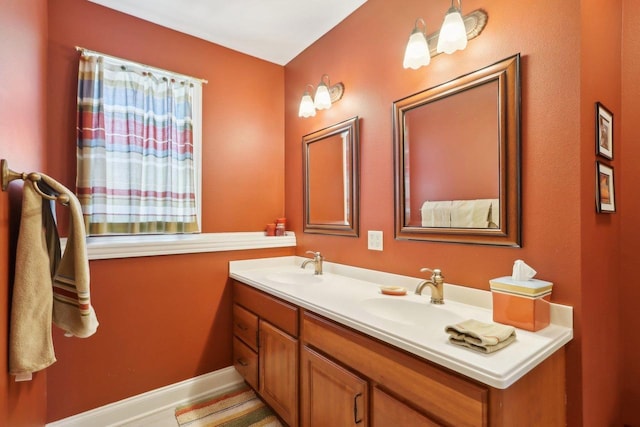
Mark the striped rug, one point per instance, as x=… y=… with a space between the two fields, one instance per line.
x=236 y=408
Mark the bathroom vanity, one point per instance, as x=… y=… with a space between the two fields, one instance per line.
x=331 y=350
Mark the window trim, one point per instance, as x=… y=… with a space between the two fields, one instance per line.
x=131 y=246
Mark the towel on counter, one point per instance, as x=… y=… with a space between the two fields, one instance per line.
x=483 y=337
x=47 y=288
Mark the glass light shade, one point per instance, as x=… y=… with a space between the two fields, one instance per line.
x=306 y=106
x=322 y=100
x=453 y=34
x=417 y=53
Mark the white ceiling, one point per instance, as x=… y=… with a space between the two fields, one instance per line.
x=273 y=30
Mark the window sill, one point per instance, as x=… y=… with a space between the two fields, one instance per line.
x=140 y=246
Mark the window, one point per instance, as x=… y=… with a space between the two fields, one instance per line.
x=138 y=148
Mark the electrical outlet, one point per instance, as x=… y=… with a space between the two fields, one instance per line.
x=375 y=240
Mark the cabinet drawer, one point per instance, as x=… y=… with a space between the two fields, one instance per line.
x=245 y=326
x=245 y=361
x=277 y=312
x=446 y=398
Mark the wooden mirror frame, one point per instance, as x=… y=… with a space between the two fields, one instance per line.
x=507 y=74
x=351 y=227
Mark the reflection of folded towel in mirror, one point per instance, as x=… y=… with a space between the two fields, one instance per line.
x=477 y=213
x=436 y=214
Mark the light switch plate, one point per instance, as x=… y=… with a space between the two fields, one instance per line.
x=375 y=240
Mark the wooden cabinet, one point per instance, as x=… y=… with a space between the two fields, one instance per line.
x=443 y=398
x=265 y=348
x=330 y=394
x=346 y=378
x=279 y=371
x=389 y=411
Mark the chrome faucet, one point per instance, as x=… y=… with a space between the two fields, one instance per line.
x=317 y=261
x=436 y=283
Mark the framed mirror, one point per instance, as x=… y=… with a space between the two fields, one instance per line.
x=457 y=159
x=331 y=179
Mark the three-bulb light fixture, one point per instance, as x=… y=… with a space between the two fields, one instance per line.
x=326 y=94
x=453 y=36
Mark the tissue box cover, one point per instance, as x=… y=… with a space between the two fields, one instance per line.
x=523 y=304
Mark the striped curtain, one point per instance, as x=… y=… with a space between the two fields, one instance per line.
x=135 y=159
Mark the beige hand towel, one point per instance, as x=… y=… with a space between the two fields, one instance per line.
x=72 y=310
x=484 y=337
x=30 y=343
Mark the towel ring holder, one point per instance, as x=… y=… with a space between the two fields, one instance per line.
x=8 y=175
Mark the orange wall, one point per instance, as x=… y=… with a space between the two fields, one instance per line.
x=23 y=36
x=563 y=238
x=630 y=216
x=165 y=319
x=600 y=78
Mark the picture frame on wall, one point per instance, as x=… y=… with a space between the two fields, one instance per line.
x=604 y=131
x=605 y=190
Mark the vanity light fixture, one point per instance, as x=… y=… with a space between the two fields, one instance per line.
x=417 y=53
x=307 y=108
x=455 y=32
x=326 y=94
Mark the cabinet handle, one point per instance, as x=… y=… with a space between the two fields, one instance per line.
x=242 y=362
x=241 y=326
x=355 y=409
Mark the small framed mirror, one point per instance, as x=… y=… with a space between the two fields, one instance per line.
x=331 y=179
x=457 y=159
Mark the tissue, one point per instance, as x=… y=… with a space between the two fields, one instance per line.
x=521 y=271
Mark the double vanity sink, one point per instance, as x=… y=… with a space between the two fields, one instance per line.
x=352 y=297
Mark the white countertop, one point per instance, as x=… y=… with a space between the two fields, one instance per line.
x=351 y=296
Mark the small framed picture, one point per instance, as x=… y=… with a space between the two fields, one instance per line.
x=604 y=131
x=605 y=199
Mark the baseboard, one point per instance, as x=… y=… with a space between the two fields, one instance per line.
x=146 y=404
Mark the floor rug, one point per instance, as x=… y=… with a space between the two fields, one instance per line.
x=236 y=408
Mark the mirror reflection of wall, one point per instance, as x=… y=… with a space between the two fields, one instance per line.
x=331 y=179
x=329 y=171
x=452 y=151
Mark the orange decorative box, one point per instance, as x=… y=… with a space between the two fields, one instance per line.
x=524 y=304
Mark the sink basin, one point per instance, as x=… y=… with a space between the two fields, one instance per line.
x=410 y=311
x=302 y=277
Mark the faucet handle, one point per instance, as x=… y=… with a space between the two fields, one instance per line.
x=315 y=254
x=435 y=273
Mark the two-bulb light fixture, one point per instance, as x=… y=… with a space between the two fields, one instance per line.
x=453 y=36
x=326 y=94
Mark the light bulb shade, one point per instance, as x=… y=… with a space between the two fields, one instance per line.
x=322 y=100
x=416 y=54
x=453 y=34
x=306 y=106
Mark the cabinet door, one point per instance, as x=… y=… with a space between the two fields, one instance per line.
x=387 y=411
x=331 y=395
x=279 y=372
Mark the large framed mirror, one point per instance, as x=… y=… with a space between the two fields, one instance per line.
x=331 y=179
x=457 y=159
